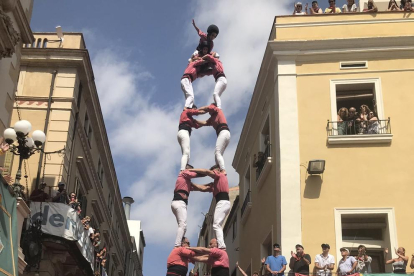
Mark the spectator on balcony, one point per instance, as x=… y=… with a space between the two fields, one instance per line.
x=347 y=264
x=276 y=263
x=371 y=7
x=325 y=262
x=363 y=119
x=412 y=261
x=399 y=264
x=315 y=8
x=363 y=261
x=352 y=117
x=74 y=203
x=332 y=8
x=215 y=257
x=373 y=125
x=259 y=163
x=4 y=147
x=102 y=254
x=60 y=195
x=408 y=7
x=393 y=6
x=298 y=9
x=349 y=7
x=299 y=262
x=39 y=195
x=402 y=5
x=220 y=189
x=341 y=120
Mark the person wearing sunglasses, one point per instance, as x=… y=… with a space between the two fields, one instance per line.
x=332 y=8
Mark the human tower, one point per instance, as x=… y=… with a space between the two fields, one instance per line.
x=203 y=62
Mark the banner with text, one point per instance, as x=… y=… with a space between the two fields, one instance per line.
x=62 y=221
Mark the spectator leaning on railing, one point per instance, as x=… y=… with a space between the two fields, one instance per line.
x=60 y=195
x=371 y=7
x=39 y=195
x=332 y=8
x=298 y=9
x=347 y=264
x=393 y=6
x=315 y=8
x=341 y=118
x=349 y=7
x=276 y=263
x=408 y=7
x=299 y=262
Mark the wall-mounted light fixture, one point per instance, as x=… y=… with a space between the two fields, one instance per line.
x=316 y=166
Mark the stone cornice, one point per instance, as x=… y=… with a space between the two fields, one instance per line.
x=23 y=24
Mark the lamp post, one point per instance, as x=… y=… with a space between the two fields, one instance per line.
x=26 y=146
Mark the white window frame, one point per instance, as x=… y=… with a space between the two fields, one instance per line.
x=358 y=139
x=389 y=212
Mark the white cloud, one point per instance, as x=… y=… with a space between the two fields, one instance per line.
x=132 y=114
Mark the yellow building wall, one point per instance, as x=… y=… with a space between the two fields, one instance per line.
x=376 y=175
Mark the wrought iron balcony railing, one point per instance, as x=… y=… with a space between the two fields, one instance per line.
x=358 y=127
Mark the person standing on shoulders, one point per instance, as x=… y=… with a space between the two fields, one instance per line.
x=325 y=262
x=177 y=262
x=299 y=262
x=276 y=263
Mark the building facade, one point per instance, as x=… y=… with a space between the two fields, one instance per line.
x=15 y=16
x=312 y=67
x=56 y=92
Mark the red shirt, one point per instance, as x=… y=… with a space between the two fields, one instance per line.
x=218 y=257
x=217 y=116
x=203 y=37
x=221 y=184
x=192 y=69
x=184 y=181
x=187 y=117
x=180 y=256
x=218 y=66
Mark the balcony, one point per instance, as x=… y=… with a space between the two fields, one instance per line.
x=359 y=132
x=66 y=244
x=246 y=207
x=263 y=167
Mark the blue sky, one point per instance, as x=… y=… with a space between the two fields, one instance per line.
x=139 y=51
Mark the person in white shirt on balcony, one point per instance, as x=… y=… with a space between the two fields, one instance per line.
x=325 y=262
x=349 y=7
x=298 y=9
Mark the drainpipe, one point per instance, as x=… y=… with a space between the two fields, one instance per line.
x=49 y=105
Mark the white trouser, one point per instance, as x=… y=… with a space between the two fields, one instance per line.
x=179 y=208
x=220 y=213
x=183 y=137
x=221 y=85
x=222 y=142
x=187 y=87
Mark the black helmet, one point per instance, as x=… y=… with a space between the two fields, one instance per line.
x=212 y=29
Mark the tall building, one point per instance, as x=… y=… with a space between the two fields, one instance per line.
x=57 y=93
x=312 y=67
x=15 y=16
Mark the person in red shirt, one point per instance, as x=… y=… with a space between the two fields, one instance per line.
x=183 y=186
x=187 y=123
x=190 y=75
x=218 y=121
x=212 y=33
x=220 y=189
x=215 y=257
x=219 y=76
x=177 y=262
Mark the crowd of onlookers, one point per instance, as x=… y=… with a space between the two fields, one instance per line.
x=351 y=7
x=350 y=122
x=325 y=264
x=61 y=196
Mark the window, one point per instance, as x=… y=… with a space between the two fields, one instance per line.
x=86 y=124
x=265 y=137
x=110 y=204
x=246 y=188
x=79 y=95
x=39 y=42
x=100 y=172
x=363 y=227
x=357 y=101
x=45 y=43
x=235 y=226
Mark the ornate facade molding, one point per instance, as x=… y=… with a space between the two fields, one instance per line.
x=9 y=37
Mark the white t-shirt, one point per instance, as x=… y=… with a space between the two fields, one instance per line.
x=91 y=231
x=322 y=261
x=353 y=8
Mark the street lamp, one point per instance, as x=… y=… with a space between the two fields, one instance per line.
x=316 y=166
x=25 y=147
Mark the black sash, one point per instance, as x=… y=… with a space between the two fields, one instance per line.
x=219 y=75
x=178 y=196
x=221 y=127
x=178 y=269
x=222 y=196
x=188 y=76
x=185 y=126
x=220 y=271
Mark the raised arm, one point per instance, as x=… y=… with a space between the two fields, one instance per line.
x=405 y=258
x=195 y=27
x=412 y=261
x=240 y=269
